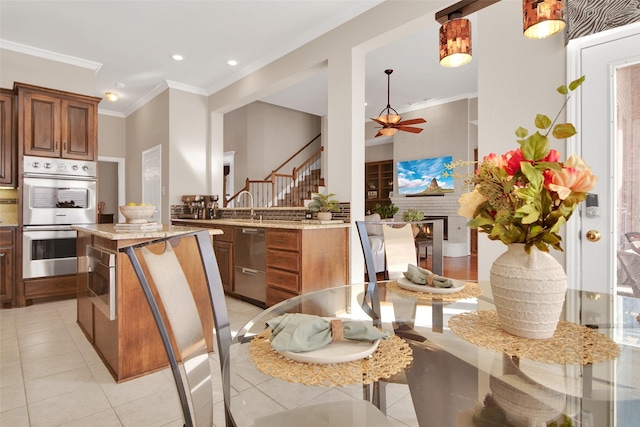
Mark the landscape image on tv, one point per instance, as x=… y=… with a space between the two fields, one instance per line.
x=424 y=177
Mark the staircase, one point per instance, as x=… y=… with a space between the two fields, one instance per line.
x=285 y=190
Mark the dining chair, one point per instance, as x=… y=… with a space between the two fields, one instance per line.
x=371 y=305
x=400 y=249
x=634 y=238
x=630 y=263
x=172 y=299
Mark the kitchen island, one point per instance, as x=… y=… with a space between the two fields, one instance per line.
x=112 y=310
x=288 y=258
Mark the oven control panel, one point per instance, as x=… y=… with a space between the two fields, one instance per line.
x=60 y=167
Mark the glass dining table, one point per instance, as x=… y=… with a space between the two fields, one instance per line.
x=441 y=366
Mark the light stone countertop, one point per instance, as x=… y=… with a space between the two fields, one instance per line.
x=8 y=224
x=269 y=223
x=109 y=231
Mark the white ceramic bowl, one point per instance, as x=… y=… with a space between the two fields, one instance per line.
x=137 y=214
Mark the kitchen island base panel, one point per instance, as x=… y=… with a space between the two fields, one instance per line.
x=131 y=345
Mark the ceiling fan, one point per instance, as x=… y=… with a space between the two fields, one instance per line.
x=391 y=123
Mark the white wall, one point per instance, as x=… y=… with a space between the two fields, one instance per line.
x=264 y=136
x=187 y=152
x=448 y=132
x=23 y=68
x=378 y=153
x=517 y=78
x=112 y=136
x=147 y=127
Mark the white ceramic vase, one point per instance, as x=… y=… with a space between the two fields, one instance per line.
x=529 y=291
x=323 y=216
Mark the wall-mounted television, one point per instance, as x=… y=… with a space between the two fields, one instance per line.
x=424 y=177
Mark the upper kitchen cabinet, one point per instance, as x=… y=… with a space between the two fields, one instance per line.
x=8 y=142
x=53 y=123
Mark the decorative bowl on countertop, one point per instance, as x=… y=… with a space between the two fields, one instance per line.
x=137 y=214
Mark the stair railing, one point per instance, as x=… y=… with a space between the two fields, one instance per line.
x=279 y=189
x=307 y=178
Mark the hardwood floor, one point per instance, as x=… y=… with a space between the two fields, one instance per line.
x=464 y=268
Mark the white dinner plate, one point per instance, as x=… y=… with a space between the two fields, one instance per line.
x=405 y=283
x=335 y=352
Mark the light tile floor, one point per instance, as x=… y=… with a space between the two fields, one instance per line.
x=51 y=376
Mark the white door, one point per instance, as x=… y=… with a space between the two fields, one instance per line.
x=609 y=142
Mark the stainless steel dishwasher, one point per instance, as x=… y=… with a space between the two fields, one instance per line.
x=250 y=267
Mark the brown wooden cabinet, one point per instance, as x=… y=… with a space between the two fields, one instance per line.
x=223 y=247
x=8 y=139
x=301 y=261
x=47 y=287
x=378 y=183
x=7 y=265
x=131 y=345
x=54 y=123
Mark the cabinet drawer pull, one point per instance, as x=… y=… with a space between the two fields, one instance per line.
x=280 y=259
x=280 y=240
x=60 y=285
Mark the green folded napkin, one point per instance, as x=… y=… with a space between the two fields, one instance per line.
x=297 y=332
x=421 y=276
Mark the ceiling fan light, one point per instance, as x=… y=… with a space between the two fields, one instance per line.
x=542 y=18
x=455 y=42
x=390 y=118
x=388 y=131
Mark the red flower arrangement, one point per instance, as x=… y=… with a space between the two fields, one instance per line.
x=526 y=195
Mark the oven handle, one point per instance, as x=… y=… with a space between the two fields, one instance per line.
x=63 y=177
x=47 y=228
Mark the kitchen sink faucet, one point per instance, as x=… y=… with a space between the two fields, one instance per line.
x=253 y=213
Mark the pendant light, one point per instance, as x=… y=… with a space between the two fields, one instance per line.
x=542 y=18
x=455 y=41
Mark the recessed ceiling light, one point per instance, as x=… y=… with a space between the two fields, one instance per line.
x=120 y=85
x=177 y=57
x=111 y=96
x=232 y=62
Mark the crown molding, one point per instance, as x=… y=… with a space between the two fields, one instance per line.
x=148 y=97
x=186 y=88
x=104 y=112
x=434 y=102
x=167 y=84
x=53 y=56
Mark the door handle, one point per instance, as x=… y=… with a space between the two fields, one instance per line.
x=593 y=235
x=249 y=271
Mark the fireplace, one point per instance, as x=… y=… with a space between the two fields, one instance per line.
x=444 y=224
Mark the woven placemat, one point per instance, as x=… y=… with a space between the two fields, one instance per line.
x=471 y=290
x=571 y=343
x=392 y=355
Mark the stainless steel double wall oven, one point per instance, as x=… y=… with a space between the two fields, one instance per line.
x=56 y=194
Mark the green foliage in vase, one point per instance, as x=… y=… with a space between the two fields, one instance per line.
x=324 y=203
x=412 y=215
x=386 y=211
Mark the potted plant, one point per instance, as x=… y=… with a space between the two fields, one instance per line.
x=387 y=211
x=413 y=215
x=323 y=204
